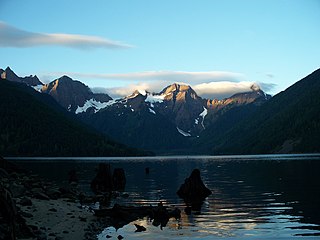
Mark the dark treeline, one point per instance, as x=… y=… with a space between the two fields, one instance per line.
x=33 y=124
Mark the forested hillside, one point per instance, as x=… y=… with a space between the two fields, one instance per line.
x=33 y=124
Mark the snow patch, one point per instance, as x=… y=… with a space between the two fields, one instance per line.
x=196 y=121
x=95 y=104
x=132 y=110
x=185 y=134
x=152 y=111
x=142 y=92
x=155 y=98
x=203 y=115
x=38 y=87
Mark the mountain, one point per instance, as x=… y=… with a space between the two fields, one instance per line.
x=71 y=94
x=169 y=121
x=287 y=123
x=11 y=76
x=182 y=106
x=175 y=120
x=133 y=120
x=33 y=124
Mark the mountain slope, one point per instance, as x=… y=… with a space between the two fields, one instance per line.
x=33 y=124
x=288 y=123
x=135 y=122
x=73 y=94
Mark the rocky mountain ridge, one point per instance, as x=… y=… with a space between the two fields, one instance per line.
x=166 y=120
x=32 y=81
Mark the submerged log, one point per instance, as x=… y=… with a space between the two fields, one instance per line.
x=122 y=215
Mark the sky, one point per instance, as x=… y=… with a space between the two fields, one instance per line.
x=218 y=47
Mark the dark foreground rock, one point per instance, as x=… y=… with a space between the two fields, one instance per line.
x=193 y=191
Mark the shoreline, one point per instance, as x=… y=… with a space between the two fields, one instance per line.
x=32 y=207
x=40 y=209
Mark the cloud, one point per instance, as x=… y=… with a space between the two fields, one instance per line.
x=212 y=84
x=223 y=89
x=14 y=37
x=212 y=90
x=116 y=92
x=172 y=76
x=267 y=87
x=207 y=84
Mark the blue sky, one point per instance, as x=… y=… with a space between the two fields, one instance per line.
x=218 y=47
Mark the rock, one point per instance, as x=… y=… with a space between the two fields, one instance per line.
x=25 y=202
x=26 y=215
x=103 y=180
x=3 y=173
x=17 y=190
x=147 y=170
x=140 y=228
x=41 y=196
x=108 y=236
x=53 y=193
x=118 y=179
x=53 y=210
x=120 y=237
x=193 y=191
x=41 y=235
x=125 y=195
x=8 y=215
x=9 y=166
x=73 y=176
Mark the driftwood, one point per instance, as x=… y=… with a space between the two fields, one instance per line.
x=122 y=215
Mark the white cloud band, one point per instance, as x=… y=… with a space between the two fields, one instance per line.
x=14 y=37
x=212 y=84
x=172 y=76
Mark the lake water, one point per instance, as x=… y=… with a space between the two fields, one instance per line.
x=254 y=197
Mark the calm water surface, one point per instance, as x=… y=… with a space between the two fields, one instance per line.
x=254 y=197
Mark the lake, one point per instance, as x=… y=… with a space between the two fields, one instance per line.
x=254 y=197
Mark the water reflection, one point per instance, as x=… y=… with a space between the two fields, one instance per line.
x=263 y=197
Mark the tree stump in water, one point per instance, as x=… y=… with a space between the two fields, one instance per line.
x=193 y=190
x=119 y=179
x=102 y=182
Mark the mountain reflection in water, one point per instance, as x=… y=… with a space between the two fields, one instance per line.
x=267 y=196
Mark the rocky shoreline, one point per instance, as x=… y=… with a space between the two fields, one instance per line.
x=32 y=207
x=35 y=208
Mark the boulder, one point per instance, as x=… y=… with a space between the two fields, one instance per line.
x=17 y=190
x=25 y=201
x=53 y=193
